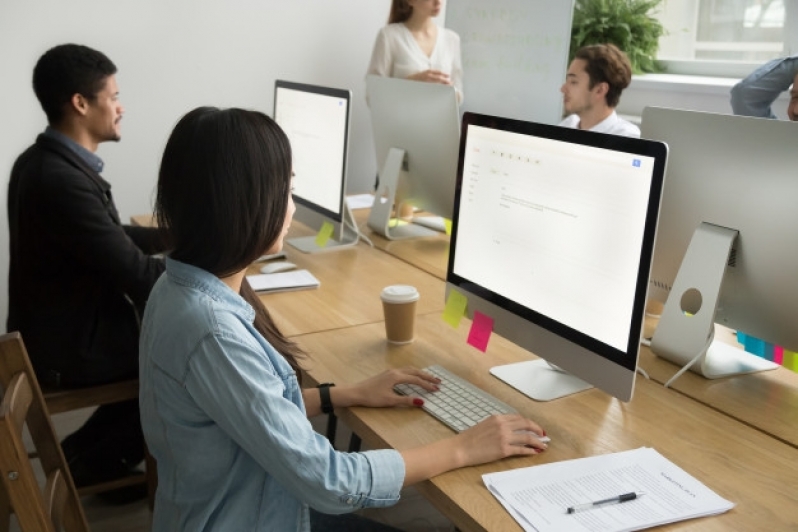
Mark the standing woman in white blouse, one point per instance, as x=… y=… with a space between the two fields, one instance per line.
x=412 y=46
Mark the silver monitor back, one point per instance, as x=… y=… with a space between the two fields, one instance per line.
x=422 y=119
x=739 y=173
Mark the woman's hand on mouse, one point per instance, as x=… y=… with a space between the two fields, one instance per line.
x=498 y=437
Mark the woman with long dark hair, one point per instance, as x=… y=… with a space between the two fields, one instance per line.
x=222 y=410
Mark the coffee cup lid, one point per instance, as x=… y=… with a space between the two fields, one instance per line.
x=399 y=293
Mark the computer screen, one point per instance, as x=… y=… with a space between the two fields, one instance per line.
x=734 y=175
x=552 y=238
x=419 y=124
x=316 y=121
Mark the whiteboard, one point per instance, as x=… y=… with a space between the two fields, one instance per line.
x=515 y=55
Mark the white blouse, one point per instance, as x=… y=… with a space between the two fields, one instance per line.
x=397 y=54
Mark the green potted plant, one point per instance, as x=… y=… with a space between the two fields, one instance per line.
x=628 y=24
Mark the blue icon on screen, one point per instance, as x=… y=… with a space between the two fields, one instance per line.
x=636 y=163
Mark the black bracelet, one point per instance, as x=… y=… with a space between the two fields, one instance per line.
x=324 y=393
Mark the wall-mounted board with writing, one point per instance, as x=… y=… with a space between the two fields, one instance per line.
x=515 y=55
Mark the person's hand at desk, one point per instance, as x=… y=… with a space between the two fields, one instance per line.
x=431 y=76
x=377 y=391
x=494 y=438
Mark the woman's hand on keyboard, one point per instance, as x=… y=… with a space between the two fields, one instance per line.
x=378 y=391
x=498 y=437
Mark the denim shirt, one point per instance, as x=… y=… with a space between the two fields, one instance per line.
x=754 y=95
x=222 y=413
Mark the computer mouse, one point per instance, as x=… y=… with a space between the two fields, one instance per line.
x=544 y=439
x=278 y=255
x=276 y=267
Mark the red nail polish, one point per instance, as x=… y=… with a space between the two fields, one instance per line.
x=544 y=432
x=418 y=401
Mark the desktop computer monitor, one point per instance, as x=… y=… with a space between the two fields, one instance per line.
x=552 y=238
x=727 y=241
x=416 y=133
x=316 y=121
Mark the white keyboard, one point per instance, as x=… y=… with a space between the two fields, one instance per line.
x=458 y=404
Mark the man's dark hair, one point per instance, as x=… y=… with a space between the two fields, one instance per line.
x=222 y=197
x=66 y=70
x=606 y=63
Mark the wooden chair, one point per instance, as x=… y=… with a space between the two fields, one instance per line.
x=58 y=506
x=60 y=401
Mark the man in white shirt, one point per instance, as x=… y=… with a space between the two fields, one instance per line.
x=592 y=89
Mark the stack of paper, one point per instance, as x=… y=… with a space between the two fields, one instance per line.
x=282 y=282
x=539 y=497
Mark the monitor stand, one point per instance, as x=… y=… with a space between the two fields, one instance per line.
x=380 y=218
x=348 y=237
x=685 y=331
x=539 y=380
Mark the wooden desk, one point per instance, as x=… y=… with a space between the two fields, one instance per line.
x=742 y=464
x=351 y=282
x=143 y=220
x=430 y=254
x=767 y=400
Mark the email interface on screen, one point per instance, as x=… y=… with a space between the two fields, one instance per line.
x=316 y=126
x=554 y=227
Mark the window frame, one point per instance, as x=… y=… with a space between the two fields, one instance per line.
x=736 y=69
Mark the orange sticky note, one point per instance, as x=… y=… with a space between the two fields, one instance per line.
x=447 y=225
x=481 y=329
x=324 y=234
x=455 y=308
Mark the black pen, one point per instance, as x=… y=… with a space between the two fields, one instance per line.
x=612 y=500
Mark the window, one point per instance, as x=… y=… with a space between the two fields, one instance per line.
x=726 y=37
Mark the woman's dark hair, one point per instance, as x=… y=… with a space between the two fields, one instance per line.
x=400 y=11
x=222 y=197
x=66 y=70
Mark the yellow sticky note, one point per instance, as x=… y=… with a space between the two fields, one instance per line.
x=325 y=233
x=447 y=225
x=455 y=308
x=790 y=360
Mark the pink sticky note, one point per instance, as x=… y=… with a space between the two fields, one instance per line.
x=778 y=355
x=481 y=329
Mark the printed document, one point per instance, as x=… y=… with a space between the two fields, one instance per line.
x=538 y=497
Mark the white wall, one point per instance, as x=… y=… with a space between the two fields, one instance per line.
x=174 y=55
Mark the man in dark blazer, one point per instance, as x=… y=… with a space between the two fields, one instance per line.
x=78 y=277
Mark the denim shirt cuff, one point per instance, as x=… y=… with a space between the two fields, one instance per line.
x=387 y=475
